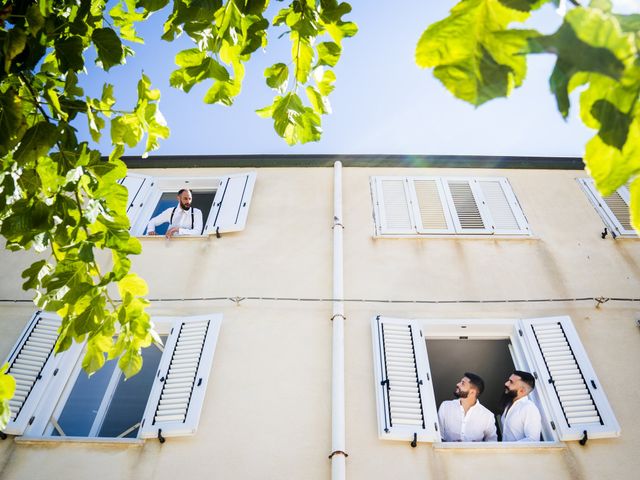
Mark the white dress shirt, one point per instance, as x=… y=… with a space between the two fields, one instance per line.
x=181 y=219
x=477 y=425
x=521 y=422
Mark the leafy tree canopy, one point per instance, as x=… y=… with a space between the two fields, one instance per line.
x=60 y=197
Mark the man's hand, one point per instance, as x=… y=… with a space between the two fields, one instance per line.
x=151 y=233
x=172 y=231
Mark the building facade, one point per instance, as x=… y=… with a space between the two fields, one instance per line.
x=446 y=265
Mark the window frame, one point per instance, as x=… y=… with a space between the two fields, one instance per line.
x=62 y=373
x=606 y=214
x=525 y=357
x=453 y=228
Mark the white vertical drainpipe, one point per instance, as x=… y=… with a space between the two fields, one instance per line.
x=338 y=455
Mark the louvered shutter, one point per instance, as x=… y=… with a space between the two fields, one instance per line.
x=404 y=394
x=231 y=204
x=613 y=209
x=469 y=213
x=138 y=188
x=500 y=201
x=393 y=206
x=177 y=395
x=430 y=205
x=567 y=380
x=32 y=363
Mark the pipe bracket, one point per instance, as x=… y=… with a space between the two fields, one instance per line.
x=338 y=452
x=338 y=315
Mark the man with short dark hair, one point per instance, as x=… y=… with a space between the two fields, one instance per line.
x=465 y=419
x=521 y=420
x=183 y=219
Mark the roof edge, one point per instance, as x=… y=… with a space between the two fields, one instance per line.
x=360 y=160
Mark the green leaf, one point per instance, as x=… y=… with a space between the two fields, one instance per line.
x=7 y=383
x=13 y=123
x=277 y=76
x=320 y=104
x=34 y=19
x=132 y=284
x=302 y=54
x=324 y=80
x=130 y=363
x=614 y=123
x=328 y=53
x=69 y=53
x=587 y=41
x=292 y=120
x=108 y=46
x=93 y=359
x=37 y=142
x=473 y=54
x=35 y=273
x=15 y=42
x=126 y=129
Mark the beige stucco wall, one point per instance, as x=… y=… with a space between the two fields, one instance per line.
x=267 y=410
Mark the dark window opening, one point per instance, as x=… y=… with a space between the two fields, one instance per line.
x=202 y=199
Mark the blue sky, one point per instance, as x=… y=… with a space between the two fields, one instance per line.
x=383 y=103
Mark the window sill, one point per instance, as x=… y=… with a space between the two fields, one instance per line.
x=446 y=236
x=112 y=442
x=499 y=445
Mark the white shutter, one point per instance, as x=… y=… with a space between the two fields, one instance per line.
x=231 y=204
x=177 y=395
x=465 y=201
x=430 y=205
x=567 y=380
x=503 y=206
x=138 y=188
x=613 y=209
x=32 y=363
x=392 y=200
x=404 y=394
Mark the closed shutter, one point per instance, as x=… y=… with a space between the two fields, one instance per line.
x=138 y=188
x=404 y=394
x=177 y=395
x=393 y=208
x=568 y=381
x=432 y=214
x=613 y=209
x=231 y=204
x=503 y=207
x=32 y=363
x=465 y=200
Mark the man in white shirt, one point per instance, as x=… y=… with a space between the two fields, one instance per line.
x=521 y=420
x=465 y=419
x=183 y=219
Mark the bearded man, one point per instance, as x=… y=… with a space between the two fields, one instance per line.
x=521 y=420
x=183 y=219
x=465 y=419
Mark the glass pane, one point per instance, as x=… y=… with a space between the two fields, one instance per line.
x=201 y=199
x=130 y=397
x=83 y=403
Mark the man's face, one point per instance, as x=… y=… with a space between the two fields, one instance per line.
x=512 y=385
x=185 y=200
x=462 y=388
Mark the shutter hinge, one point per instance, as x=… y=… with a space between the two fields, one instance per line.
x=55 y=372
x=553 y=425
x=535 y=375
x=161 y=439
x=463 y=337
x=435 y=425
x=31 y=420
x=583 y=440
x=428 y=378
x=520 y=332
x=593 y=383
x=384 y=382
x=414 y=442
x=604 y=233
x=420 y=382
x=199 y=382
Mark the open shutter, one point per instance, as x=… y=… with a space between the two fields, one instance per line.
x=393 y=206
x=470 y=215
x=231 y=204
x=503 y=206
x=138 y=187
x=568 y=381
x=176 y=398
x=430 y=206
x=32 y=363
x=614 y=209
x=404 y=394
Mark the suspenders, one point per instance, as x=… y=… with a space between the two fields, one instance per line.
x=174 y=211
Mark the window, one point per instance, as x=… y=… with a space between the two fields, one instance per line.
x=614 y=209
x=420 y=206
x=568 y=393
x=55 y=397
x=224 y=201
